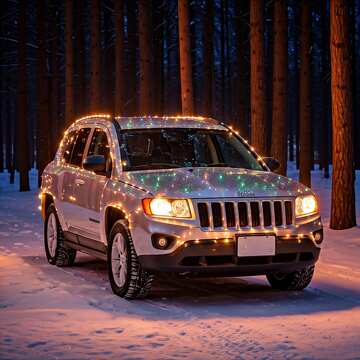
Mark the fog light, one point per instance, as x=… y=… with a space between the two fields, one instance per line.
x=318 y=236
x=162 y=242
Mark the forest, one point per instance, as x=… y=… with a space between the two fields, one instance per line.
x=285 y=73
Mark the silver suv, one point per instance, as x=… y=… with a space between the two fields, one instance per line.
x=175 y=194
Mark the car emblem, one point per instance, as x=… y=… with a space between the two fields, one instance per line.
x=246 y=193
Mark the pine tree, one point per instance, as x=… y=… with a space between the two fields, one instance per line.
x=22 y=139
x=187 y=97
x=69 y=63
x=305 y=157
x=258 y=91
x=145 y=49
x=119 y=57
x=343 y=192
x=279 y=112
x=95 y=54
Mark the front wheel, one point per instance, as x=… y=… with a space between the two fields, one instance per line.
x=127 y=278
x=297 y=280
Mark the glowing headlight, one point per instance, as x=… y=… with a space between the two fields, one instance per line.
x=305 y=205
x=178 y=208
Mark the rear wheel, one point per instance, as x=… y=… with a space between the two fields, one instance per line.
x=297 y=280
x=56 y=252
x=126 y=276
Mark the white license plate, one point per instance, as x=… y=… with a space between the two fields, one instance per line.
x=256 y=245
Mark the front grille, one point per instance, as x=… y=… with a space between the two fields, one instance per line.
x=257 y=214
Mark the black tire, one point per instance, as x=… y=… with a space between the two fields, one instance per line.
x=137 y=282
x=63 y=256
x=296 y=281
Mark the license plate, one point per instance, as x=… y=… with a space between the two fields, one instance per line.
x=256 y=245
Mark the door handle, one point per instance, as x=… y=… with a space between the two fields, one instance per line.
x=79 y=182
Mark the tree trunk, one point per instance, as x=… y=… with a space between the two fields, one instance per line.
x=69 y=64
x=208 y=58
x=158 y=59
x=56 y=127
x=145 y=50
x=343 y=192
x=22 y=140
x=95 y=52
x=187 y=98
x=279 y=121
x=257 y=82
x=80 y=58
x=131 y=81
x=42 y=144
x=119 y=57
x=242 y=81
x=305 y=153
x=325 y=75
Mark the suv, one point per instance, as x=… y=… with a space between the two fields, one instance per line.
x=184 y=195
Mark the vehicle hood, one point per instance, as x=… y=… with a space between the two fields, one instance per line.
x=214 y=183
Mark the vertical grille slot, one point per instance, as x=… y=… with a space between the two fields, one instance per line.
x=255 y=213
x=243 y=216
x=203 y=215
x=266 y=213
x=230 y=214
x=278 y=213
x=217 y=215
x=288 y=212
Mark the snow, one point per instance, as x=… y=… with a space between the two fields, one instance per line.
x=70 y=313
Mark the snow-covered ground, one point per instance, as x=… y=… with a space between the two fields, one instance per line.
x=70 y=313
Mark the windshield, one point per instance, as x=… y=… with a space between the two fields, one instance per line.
x=146 y=149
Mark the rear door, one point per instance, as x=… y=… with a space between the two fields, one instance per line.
x=70 y=172
x=89 y=187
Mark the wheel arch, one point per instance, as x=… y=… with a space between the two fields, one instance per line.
x=112 y=215
x=46 y=200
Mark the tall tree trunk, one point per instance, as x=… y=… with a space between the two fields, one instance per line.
x=69 y=63
x=325 y=75
x=305 y=153
x=56 y=127
x=355 y=79
x=187 y=97
x=43 y=129
x=119 y=58
x=279 y=121
x=257 y=82
x=131 y=98
x=242 y=86
x=22 y=140
x=208 y=57
x=145 y=49
x=80 y=58
x=158 y=36
x=343 y=192
x=95 y=52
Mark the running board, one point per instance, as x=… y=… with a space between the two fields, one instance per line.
x=82 y=244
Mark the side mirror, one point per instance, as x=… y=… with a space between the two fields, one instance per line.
x=95 y=163
x=271 y=163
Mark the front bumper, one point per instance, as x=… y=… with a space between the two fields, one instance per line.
x=219 y=257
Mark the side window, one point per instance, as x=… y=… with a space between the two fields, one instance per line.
x=68 y=146
x=99 y=145
x=79 y=147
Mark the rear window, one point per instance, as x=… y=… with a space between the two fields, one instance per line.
x=68 y=145
x=79 y=147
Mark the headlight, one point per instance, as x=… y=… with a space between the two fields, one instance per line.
x=177 y=208
x=305 y=205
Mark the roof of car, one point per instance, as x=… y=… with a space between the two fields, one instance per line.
x=148 y=122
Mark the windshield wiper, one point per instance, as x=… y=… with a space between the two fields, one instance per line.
x=221 y=165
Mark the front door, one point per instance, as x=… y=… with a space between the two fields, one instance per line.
x=89 y=188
